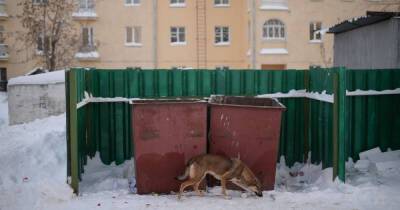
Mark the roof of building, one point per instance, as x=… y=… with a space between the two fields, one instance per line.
x=369 y=19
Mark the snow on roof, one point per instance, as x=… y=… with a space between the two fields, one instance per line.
x=87 y=55
x=85 y=14
x=274 y=7
x=39 y=79
x=273 y=51
x=357 y=22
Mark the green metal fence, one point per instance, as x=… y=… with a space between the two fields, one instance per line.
x=332 y=130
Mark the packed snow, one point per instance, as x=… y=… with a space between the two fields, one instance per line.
x=33 y=176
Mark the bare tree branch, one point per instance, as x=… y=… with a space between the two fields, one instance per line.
x=49 y=25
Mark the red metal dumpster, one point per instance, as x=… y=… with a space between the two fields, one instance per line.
x=166 y=134
x=247 y=128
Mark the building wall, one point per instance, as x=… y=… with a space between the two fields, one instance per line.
x=114 y=17
x=301 y=52
x=29 y=102
x=374 y=46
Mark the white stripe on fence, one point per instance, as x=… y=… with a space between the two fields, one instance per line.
x=323 y=96
x=359 y=92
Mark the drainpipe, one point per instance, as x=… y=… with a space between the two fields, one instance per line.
x=253 y=34
x=155 y=32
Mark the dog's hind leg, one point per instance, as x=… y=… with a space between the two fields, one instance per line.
x=186 y=184
x=196 y=188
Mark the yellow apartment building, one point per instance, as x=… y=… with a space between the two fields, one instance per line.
x=204 y=34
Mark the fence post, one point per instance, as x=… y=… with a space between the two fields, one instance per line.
x=73 y=130
x=306 y=116
x=339 y=124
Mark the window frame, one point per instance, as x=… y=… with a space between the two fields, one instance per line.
x=90 y=41
x=179 y=3
x=279 y=27
x=134 y=42
x=315 y=32
x=220 y=35
x=221 y=3
x=132 y=3
x=37 y=2
x=87 y=6
x=177 y=35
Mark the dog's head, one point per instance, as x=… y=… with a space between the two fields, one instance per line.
x=254 y=183
x=257 y=188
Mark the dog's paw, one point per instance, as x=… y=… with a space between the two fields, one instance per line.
x=227 y=197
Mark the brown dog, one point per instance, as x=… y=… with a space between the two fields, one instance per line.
x=222 y=168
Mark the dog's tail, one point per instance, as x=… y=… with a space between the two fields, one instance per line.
x=187 y=169
x=184 y=175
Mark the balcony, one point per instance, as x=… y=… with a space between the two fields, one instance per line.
x=3 y=12
x=87 y=53
x=3 y=52
x=274 y=5
x=85 y=14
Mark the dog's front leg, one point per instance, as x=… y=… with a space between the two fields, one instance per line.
x=223 y=186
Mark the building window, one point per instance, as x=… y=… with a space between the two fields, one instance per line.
x=134 y=36
x=39 y=1
x=132 y=2
x=3 y=79
x=274 y=4
x=2 y=36
x=177 y=3
x=222 y=67
x=222 y=3
x=43 y=44
x=222 y=35
x=86 y=5
x=87 y=40
x=178 y=35
x=315 y=31
x=274 y=30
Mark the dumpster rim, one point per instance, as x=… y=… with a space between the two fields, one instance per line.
x=281 y=106
x=167 y=101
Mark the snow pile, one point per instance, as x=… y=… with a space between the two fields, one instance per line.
x=99 y=177
x=33 y=176
x=376 y=161
x=33 y=164
x=39 y=79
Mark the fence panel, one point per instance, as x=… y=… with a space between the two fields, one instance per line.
x=108 y=124
x=306 y=125
x=320 y=117
x=374 y=120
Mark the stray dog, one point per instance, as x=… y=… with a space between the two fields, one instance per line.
x=222 y=168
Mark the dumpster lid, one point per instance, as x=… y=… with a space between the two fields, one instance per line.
x=168 y=101
x=246 y=101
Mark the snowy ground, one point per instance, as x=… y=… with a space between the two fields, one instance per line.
x=33 y=175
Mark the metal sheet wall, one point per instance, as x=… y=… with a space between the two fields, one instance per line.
x=306 y=125
x=109 y=127
x=372 y=120
x=320 y=117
